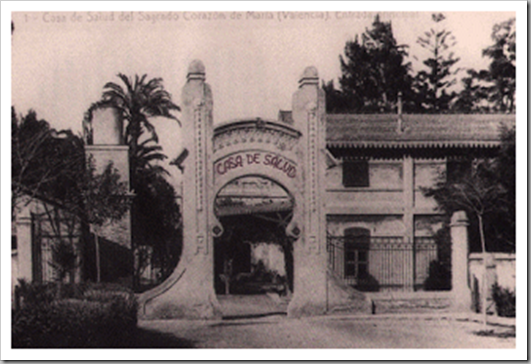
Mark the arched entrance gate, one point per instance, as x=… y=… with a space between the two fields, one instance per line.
x=290 y=155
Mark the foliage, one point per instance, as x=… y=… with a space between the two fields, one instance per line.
x=473 y=97
x=493 y=90
x=158 y=222
x=45 y=162
x=487 y=194
x=502 y=69
x=105 y=197
x=440 y=273
x=51 y=165
x=64 y=259
x=336 y=101
x=439 y=277
x=373 y=72
x=501 y=223
x=137 y=103
x=34 y=294
x=505 y=301
x=433 y=85
x=91 y=316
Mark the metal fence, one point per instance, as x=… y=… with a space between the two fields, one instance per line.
x=47 y=230
x=385 y=263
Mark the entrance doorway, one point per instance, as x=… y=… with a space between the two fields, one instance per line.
x=253 y=256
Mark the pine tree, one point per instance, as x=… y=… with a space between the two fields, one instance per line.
x=373 y=70
x=473 y=97
x=433 y=85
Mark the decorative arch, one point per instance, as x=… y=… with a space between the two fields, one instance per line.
x=263 y=148
x=291 y=155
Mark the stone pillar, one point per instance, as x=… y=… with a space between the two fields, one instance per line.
x=24 y=245
x=189 y=291
x=461 y=296
x=309 y=251
x=408 y=217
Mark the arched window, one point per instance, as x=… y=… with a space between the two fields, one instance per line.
x=357 y=241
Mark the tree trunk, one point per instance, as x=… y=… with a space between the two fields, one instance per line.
x=484 y=254
x=97 y=249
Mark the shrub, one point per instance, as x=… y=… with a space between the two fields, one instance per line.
x=96 y=317
x=368 y=284
x=36 y=294
x=439 y=278
x=505 y=301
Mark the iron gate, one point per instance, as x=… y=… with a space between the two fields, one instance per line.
x=386 y=263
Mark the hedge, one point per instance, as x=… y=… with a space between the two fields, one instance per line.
x=505 y=301
x=95 y=317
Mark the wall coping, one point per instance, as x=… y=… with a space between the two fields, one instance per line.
x=496 y=255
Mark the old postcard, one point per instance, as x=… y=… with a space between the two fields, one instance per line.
x=213 y=176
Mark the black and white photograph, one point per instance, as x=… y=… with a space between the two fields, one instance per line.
x=264 y=175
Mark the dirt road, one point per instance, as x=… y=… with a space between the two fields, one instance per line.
x=277 y=331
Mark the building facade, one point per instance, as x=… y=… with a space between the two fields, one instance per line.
x=381 y=226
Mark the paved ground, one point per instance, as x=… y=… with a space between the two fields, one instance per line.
x=261 y=327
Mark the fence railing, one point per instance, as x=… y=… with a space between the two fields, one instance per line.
x=385 y=263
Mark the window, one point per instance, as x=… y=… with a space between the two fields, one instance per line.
x=355 y=174
x=357 y=241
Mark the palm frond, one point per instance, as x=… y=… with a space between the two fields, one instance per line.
x=153 y=84
x=127 y=83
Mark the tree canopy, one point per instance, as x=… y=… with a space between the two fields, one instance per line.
x=138 y=101
x=45 y=163
x=493 y=89
x=373 y=70
x=433 y=85
x=502 y=69
x=486 y=191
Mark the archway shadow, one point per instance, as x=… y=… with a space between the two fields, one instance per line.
x=256 y=315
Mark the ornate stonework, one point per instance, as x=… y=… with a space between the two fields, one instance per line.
x=280 y=136
x=199 y=150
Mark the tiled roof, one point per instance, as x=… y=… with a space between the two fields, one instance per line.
x=448 y=130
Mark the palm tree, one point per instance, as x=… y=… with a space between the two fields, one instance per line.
x=147 y=153
x=138 y=101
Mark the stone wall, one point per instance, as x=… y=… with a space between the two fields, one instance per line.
x=504 y=269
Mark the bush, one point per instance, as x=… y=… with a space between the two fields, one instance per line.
x=96 y=317
x=505 y=301
x=439 y=278
x=368 y=284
